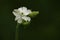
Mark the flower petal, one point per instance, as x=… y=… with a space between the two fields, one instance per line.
x=24 y=8
x=16 y=12
x=19 y=20
x=27 y=12
x=16 y=18
x=20 y=10
x=26 y=18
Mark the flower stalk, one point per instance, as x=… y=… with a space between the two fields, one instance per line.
x=17 y=32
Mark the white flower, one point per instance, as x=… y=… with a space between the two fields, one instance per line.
x=21 y=14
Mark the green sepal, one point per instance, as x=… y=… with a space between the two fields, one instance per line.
x=25 y=22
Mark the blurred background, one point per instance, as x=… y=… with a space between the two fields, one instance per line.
x=45 y=26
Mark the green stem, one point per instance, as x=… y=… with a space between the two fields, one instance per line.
x=17 y=32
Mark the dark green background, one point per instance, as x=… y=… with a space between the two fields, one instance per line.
x=45 y=26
